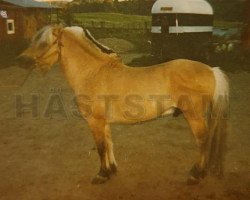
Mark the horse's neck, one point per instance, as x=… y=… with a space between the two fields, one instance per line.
x=80 y=63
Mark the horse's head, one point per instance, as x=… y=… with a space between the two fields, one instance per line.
x=44 y=50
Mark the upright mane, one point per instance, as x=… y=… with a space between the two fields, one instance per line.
x=102 y=47
x=84 y=35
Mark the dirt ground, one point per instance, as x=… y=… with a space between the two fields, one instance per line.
x=54 y=158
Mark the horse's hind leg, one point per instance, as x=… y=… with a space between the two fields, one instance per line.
x=194 y=112
x=199 y=130
x=101 y=133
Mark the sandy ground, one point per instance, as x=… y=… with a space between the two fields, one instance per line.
x=54 y=158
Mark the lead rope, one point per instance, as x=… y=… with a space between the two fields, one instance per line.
x=60 y=45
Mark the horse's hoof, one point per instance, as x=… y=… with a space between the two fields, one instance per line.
x=113 y=168
x=192 y=180
x=99 y=180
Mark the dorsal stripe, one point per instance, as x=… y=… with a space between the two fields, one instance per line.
x=103 y=48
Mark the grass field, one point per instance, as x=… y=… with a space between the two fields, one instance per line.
x=115 y=18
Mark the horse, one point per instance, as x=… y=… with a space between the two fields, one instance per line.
x=109 y=92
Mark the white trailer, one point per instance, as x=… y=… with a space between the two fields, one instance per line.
x=181 y=28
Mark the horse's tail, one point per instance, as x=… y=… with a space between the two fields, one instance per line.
x=217 y=123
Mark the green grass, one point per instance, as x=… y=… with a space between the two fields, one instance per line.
x=115 y=18
x=226 y=24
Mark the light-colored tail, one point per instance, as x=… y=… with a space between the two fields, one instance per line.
x=217 y=123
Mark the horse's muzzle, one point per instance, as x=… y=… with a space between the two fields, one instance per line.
x=25 y=62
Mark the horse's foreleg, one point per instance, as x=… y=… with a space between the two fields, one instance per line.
x=110 y=153
x=101 y=133
x=198 y=127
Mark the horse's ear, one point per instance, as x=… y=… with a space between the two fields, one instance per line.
x=57 y=29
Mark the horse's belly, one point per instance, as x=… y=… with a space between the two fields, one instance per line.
x=143 y=111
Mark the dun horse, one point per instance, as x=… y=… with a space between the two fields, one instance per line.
x=109 y=92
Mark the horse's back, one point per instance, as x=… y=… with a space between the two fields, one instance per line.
x=184 y=73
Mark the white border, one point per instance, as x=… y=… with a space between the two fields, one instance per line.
x=8 y=21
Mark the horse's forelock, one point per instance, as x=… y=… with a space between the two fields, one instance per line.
x=43 y=36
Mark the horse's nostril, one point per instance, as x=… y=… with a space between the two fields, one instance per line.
x=25 y=61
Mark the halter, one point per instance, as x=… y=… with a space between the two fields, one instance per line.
x=59 y=44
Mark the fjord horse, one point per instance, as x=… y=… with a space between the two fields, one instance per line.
x=109 y=92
